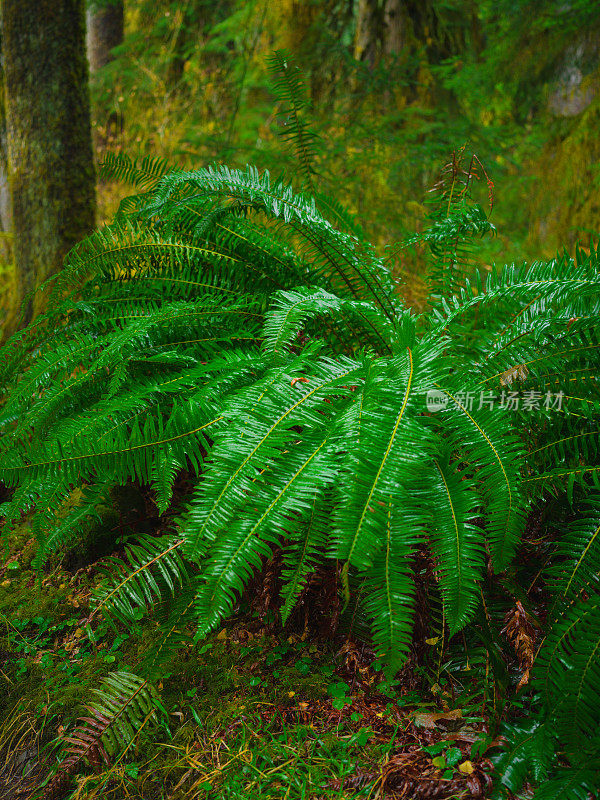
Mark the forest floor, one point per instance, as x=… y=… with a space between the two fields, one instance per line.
x=253 y=711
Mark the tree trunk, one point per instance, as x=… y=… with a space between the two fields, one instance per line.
x=381 y=29
x=5 y=204
x=50 y=165
x=104 y=31
x=5 y=209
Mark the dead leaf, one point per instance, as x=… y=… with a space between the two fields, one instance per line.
x=430 y=720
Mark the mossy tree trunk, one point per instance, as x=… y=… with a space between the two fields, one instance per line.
x=104 y=31
x=5 y=209
x=382 y=29
x=386 y=29
x=49 y=145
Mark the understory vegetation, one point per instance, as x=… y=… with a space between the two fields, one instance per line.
x=317 y=456
x=300 y=490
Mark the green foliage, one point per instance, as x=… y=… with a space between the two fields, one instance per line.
x=224 y=328
x=288 y=85
x=567 y=675
x=153 y=569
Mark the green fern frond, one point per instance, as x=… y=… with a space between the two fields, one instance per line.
x=491 y=448
x=390 y=449
x=570 y=784
x=389 y=587
x=231 y=563
x=530 y=750
x=288 y=85
x=335 y=254
x=568 y=668
x=152 y=570
x=303 y=553
x=264 y=418
x=457 y=543
x=144 y=171
x=576 y=562
x=291 y=309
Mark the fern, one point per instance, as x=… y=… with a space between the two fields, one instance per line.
x=117 y=714
x=227 y=329
x=288 y=85
x=152 y=569
x=457 y=544
x=567 y=672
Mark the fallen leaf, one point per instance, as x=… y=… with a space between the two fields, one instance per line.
x=430 y=720
x=466 y=768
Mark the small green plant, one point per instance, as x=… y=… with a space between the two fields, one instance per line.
x=445 y=757
x=120 y=710
x=338 y=691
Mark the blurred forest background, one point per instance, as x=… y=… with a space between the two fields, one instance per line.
x=392 y=87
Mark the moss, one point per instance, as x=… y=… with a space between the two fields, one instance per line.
x=567 y=203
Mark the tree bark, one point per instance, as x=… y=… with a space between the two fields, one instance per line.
x=104 y=32
x=49 y=144
x=5 y=208
x=381 y=29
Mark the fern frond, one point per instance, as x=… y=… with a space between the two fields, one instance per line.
x=136 y=172
x=152 y=570
x=457 y=543
x=570 y=784
x=264 y=418
x=491 y=448
x=288 y=85
x=230 y=564
x=303 y=553
x=530 y=750
x=576 y=561
x=392 y=446
x=117 y=714
x=335 y=254
x=389 y=587
x=291 y=309
x=568 y=668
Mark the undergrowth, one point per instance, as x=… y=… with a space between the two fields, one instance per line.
x=252 y=712
x=238 y=356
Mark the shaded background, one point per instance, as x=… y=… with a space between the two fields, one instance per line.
x=394 y=86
